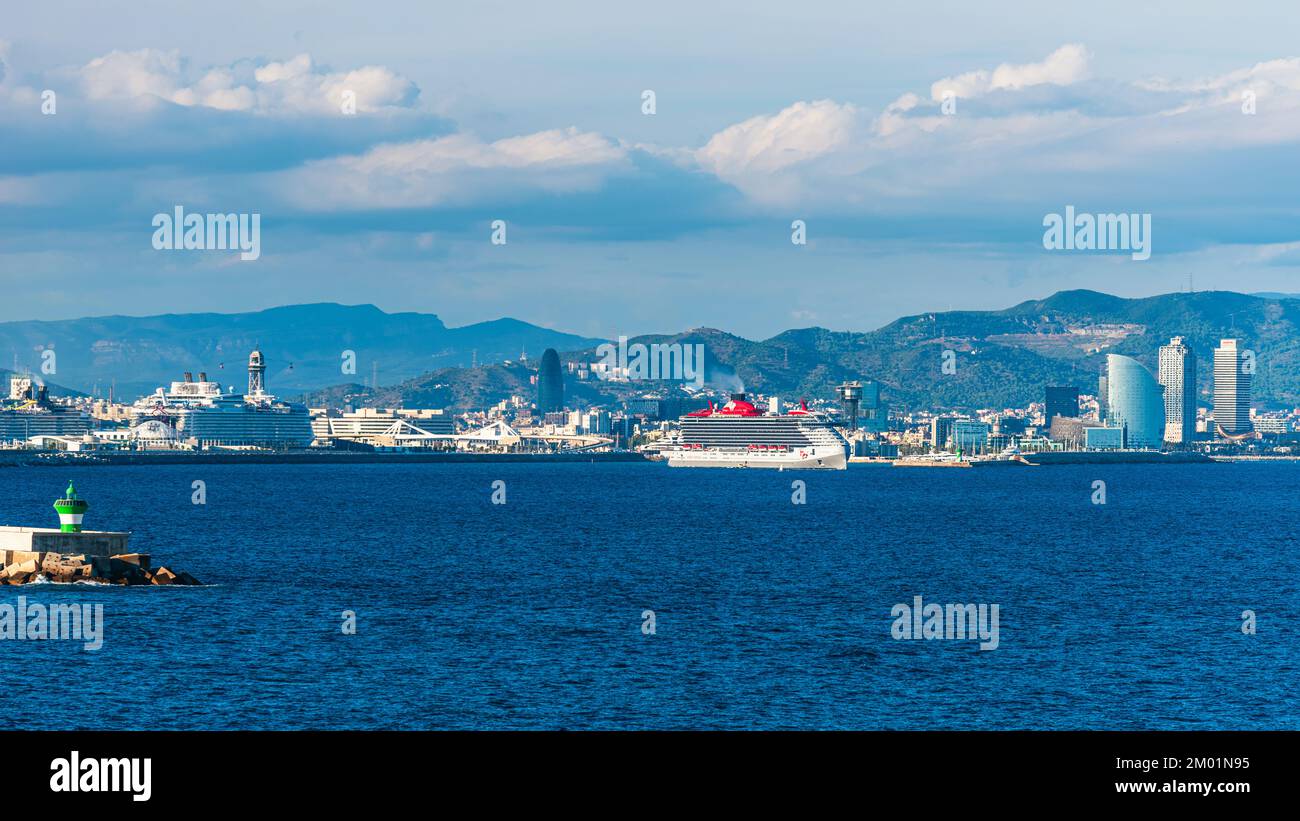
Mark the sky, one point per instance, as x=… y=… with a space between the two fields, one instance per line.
x=618 y=221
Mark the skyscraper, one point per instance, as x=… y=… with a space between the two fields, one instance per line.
x=1178 y=374
x=550 y=383
x=1061 y=401
x=1135 y=402
x=1232 y=376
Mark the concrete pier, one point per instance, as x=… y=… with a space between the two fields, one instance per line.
x=70 y=554
x=51 y=540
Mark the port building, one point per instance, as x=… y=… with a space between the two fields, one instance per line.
x=383 y=427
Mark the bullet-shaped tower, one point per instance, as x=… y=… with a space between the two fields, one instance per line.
x=70 y=510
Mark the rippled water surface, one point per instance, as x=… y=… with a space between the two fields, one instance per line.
x=768 y=614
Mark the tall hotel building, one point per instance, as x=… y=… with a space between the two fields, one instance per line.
x=1231 y=390
x=1135 y=402
x=1177 y=372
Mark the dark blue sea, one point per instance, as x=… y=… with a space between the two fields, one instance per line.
x=528 y=615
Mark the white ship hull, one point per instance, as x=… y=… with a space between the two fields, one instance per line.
x=815 y=458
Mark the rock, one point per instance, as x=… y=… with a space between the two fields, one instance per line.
x=19 y=572
x=20 y=556
x=65 y=568
x=140 y=560
x=64 y=574
x=125 y=572
x=23 y=566
x=164 y=576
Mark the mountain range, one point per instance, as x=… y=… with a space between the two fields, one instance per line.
x=304 y=346
x=1002 y=358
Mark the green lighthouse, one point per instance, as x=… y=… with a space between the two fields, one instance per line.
x=70 y=509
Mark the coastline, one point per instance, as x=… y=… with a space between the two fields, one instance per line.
x=18 y=458
x=31 y=458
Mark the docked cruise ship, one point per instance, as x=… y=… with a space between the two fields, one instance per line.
x=205 y=417
x=29 y=412
x=741 y=435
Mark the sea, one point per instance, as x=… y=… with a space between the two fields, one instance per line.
x=636 y=596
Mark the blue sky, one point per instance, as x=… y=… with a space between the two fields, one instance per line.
x=625 y=223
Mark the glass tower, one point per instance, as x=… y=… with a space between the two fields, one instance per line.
x=1135 y=402
x=550 y=383
x=1061 y=401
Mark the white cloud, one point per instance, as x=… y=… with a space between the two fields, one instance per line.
x=275 y=72
x=761 y=155
x=825 y=151
x=295 y=86
x=1273 y=84
x=144 y=73
x=1021 y=133
x=796 y=134
x=457 y=169
x=1063 y=67
x=1049 y=127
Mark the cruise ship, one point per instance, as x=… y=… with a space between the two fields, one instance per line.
x=740 y=435
x=207 y=418
x=29 y=412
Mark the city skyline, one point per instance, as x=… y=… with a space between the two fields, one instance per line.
x=1134 y=405
x=74 y=369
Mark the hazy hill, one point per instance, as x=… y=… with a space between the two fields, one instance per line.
x=1004 y=358
x=303 y=346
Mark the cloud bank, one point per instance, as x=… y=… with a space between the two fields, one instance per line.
x=973 y=157
x=294 y=86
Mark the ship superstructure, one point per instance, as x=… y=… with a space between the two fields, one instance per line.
x=203 y=415
x=29 y=412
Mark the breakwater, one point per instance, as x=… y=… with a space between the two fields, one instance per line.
x=1117 y=457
